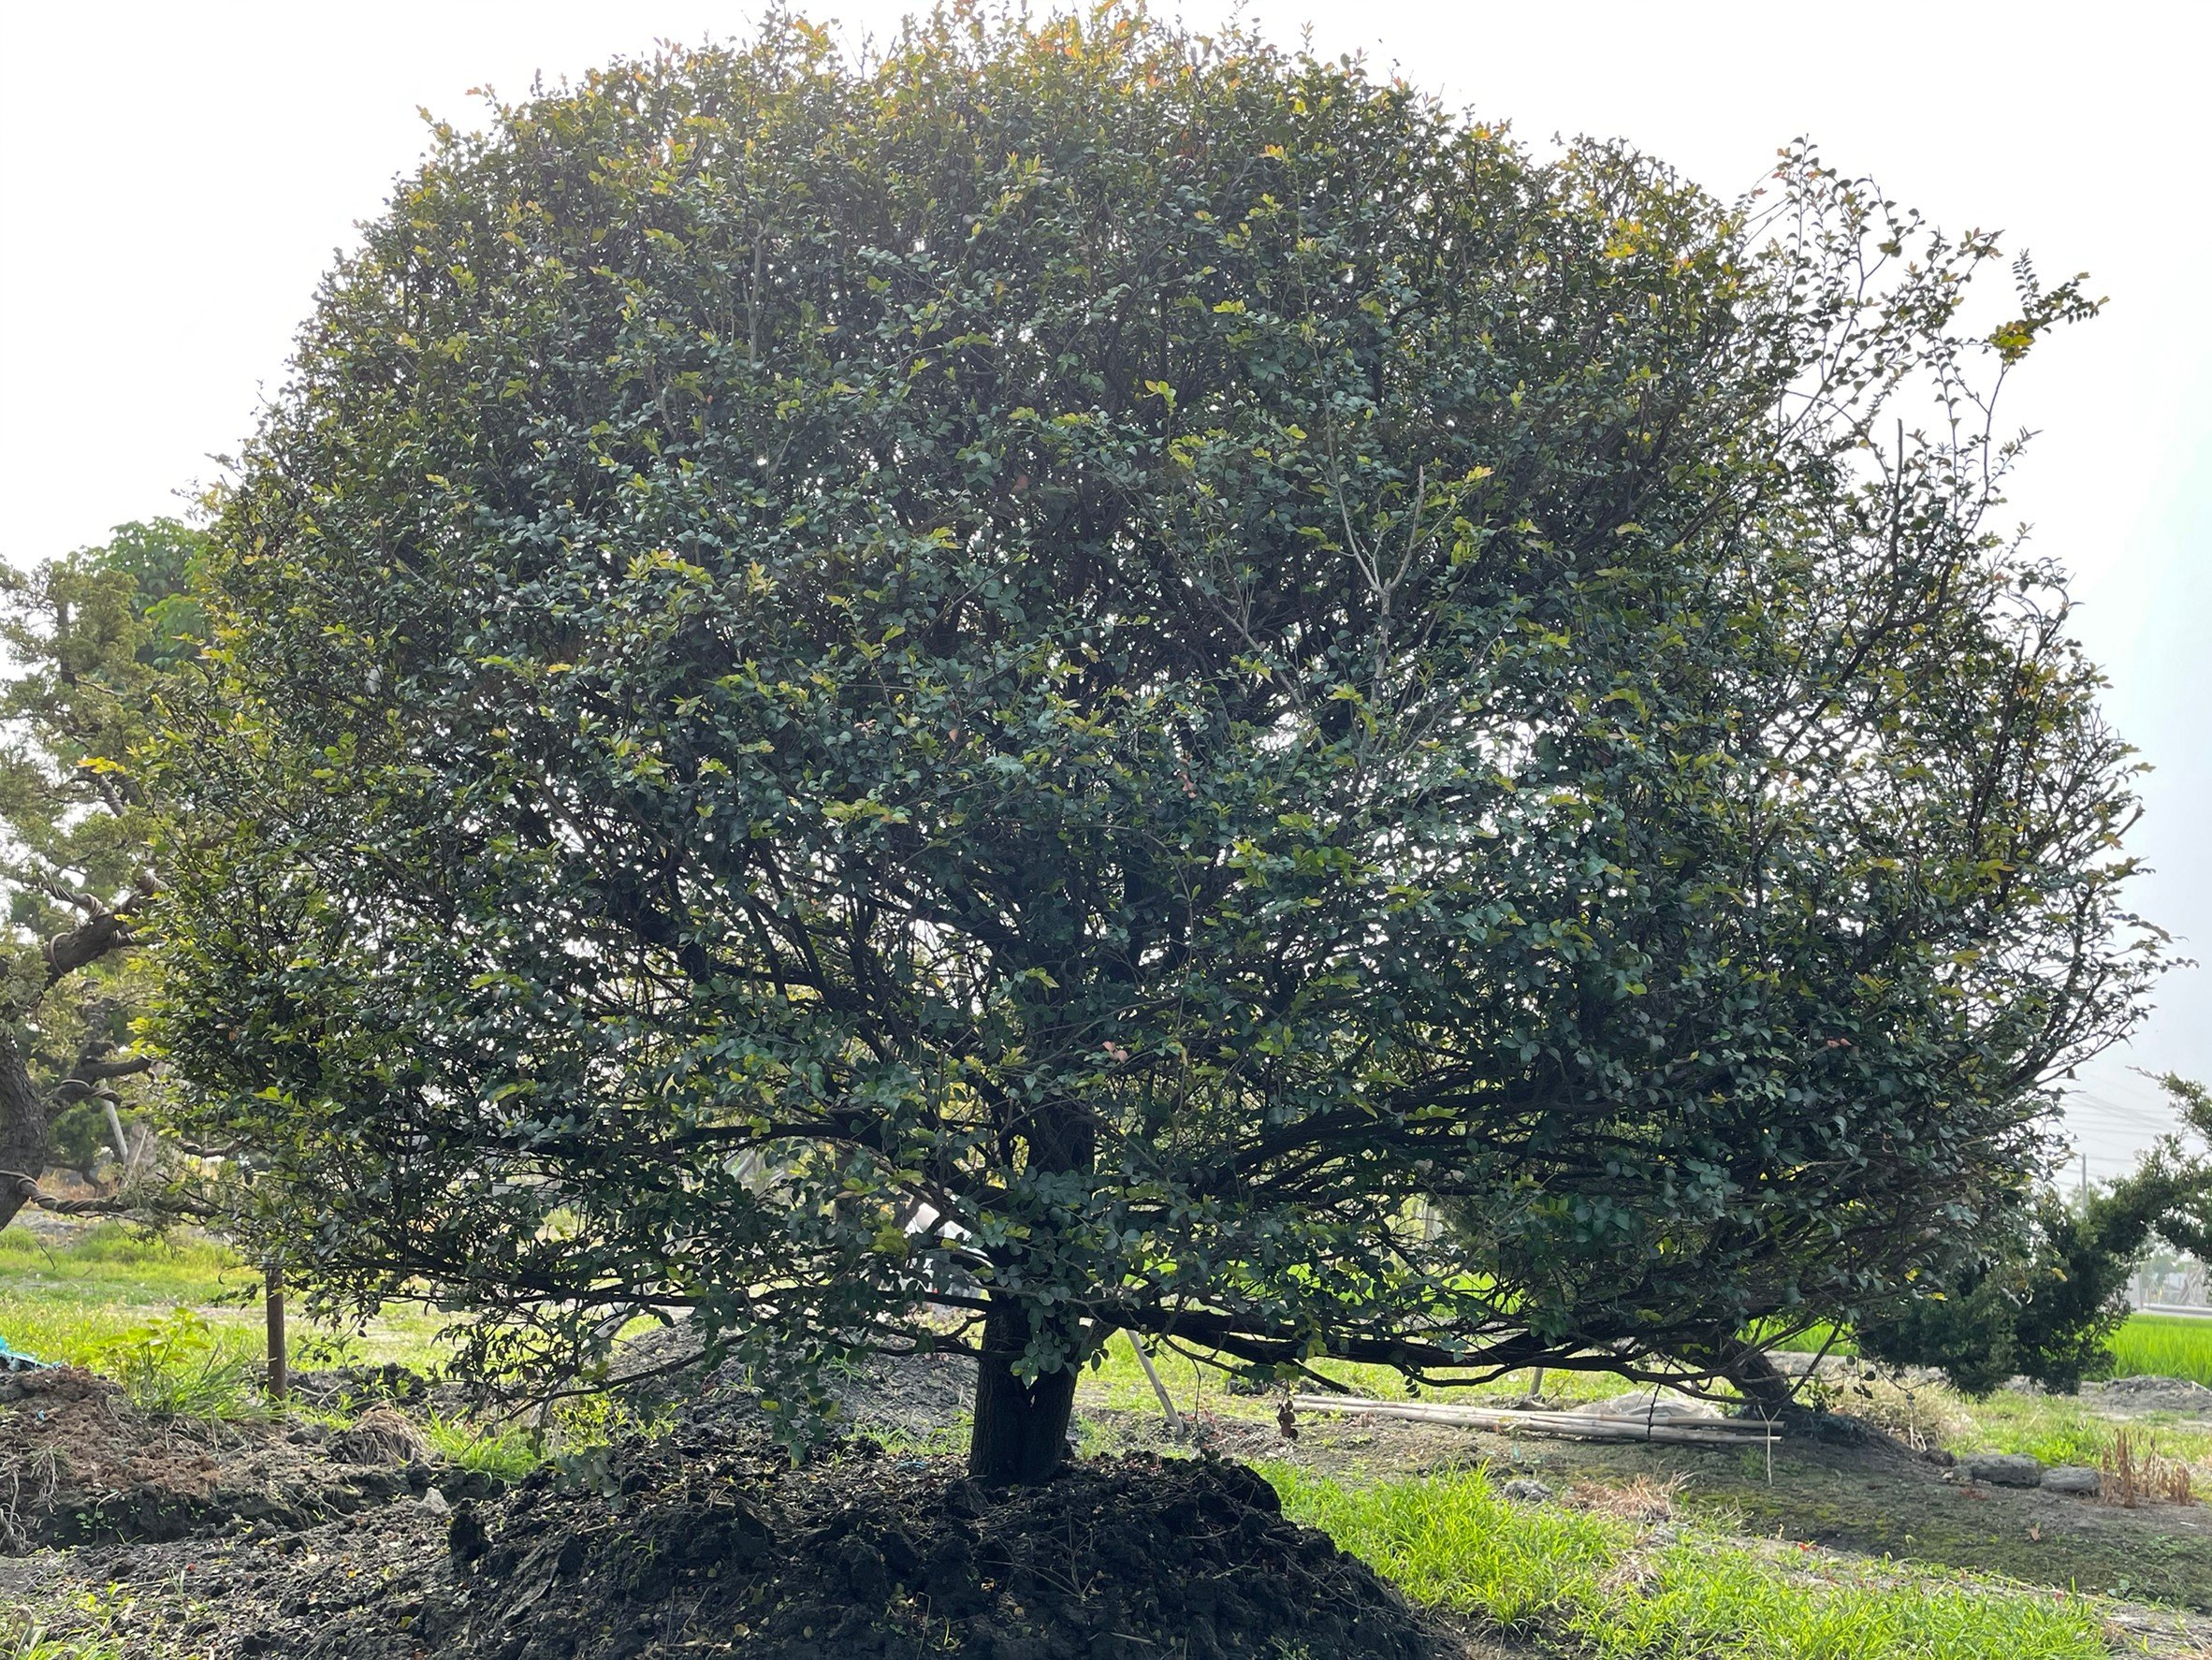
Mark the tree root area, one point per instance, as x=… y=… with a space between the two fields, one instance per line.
x=709 y=1543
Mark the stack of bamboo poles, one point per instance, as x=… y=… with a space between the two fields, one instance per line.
x=1584 y=1426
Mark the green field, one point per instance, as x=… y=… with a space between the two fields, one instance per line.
x=2149 y=1346
x=2164 y=1345
x=66 y=1299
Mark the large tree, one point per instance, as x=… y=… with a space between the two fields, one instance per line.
x=1052 y=683
x=91 y=638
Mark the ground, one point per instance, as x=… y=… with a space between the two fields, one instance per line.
x=376 y=1520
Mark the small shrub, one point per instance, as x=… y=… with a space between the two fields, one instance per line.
x=585 y=1421
x=181 y=1366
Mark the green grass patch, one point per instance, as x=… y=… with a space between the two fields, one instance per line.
x=506 y=1450
x=24 y=1637
x=2163 y=1346
x=2064 y=1430
x=181 y=1366
x=68 y=1299
x=1615 y=1592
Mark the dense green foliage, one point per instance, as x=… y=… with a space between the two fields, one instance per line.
x=92 y=637
x=2047 y=1293
x=1040 y=685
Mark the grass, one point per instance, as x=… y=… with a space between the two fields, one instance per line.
x=2163 y=1346
x=22 y=1638
x=68 y=1301
x=2149 y=1346
x=2060 y=1430
x=1616 y=1591
x=31 y=1642
x=183 y=1366
x=506 y=1450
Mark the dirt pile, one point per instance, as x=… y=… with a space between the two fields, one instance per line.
x=709 y=1545
x=2127 y=1396
x=79 y=1465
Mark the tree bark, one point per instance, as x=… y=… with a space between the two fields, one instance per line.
x=1021 y=1429
x=1762 y=1383
x=22 y=1125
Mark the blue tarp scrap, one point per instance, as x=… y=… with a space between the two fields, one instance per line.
x=12 y=1362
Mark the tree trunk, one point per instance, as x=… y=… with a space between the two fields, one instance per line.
x=23 y=1127
x=1762 y=1383
x=1021 y=1429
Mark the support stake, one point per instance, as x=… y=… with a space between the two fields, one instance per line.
x=1167 y=1403
x=274 y=1281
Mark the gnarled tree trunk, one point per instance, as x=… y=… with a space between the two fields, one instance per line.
x=1021 y=1429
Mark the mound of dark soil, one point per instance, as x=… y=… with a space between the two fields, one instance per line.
x=709 y=1545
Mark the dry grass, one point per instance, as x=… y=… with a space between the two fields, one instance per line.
x=1646 y=1499
x=2135 y=1469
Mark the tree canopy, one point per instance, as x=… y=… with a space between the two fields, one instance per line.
x=93 y=636
x=1057 y=680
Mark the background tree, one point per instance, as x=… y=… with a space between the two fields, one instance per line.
x=1042 y=684
x=2047 y=1291
x=91 y=637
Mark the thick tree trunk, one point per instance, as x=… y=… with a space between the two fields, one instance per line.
x=1021 y=1429
x=22 y=1127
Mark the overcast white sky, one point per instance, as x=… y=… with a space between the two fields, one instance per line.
x=173 y=178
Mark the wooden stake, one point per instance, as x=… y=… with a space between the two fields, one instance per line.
x=273 y=1280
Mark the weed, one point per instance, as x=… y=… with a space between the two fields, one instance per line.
x=598 y=1420
x=1645 y=1498
x=2134 y=1469
x=24 y=1637
x=181 y=1366
x=505 y=1450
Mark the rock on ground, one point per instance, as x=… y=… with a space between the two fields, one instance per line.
x=2005 y=1469
x=2075 y=1479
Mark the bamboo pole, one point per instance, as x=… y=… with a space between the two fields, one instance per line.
x=1166 y=1402
x=1586 y=1426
